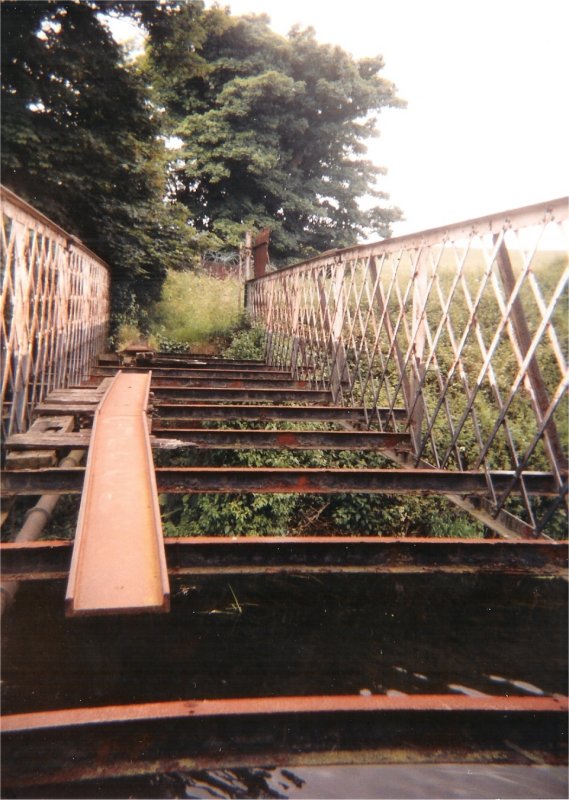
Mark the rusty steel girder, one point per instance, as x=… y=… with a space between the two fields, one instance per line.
x=221 y=480
x=167 y=736
x=314 y=413
x=250 y=555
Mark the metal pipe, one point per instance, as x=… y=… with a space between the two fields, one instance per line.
x=35 y=521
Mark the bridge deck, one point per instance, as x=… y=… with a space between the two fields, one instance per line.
x=279 y=635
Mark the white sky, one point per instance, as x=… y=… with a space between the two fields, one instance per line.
x=486 y=82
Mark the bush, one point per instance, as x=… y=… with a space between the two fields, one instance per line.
x=195 y=308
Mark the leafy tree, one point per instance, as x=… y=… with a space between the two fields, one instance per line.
x=273 y=130
x=80 y=138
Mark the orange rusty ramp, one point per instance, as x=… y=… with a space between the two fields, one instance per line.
x=118 y=563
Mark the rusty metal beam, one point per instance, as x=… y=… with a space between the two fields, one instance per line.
x=539 y=395
x=118 y=563
x=218 y=480
x=285 y=440
x=148 y=738
x=202 y=555
x=210 y=362
x=199 y=372
x=215 y=395
x=228 y=383
x=167 y=438
x=199 y=411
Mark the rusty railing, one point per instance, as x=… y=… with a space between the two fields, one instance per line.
x=54 y=308
x=464 y=327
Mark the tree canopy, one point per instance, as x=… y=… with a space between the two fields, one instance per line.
x=273 y=132
x=80 y=136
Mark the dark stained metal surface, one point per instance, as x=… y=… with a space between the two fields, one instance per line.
x=215 y=394
x=220 y=480
x=139 y=739
x=271 y=413
x=118 y=563
x=311 y=555
x=177 y=385
x=202 y=362
x=220 y=438
x=286 y=440
x=271 y=374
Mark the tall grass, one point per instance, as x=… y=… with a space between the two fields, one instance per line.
x=196 y=308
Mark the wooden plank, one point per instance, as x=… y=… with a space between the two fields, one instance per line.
x=39 y=455
x=118 y=563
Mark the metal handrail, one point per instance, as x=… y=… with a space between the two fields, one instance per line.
x=463 y=326
x=54 y=309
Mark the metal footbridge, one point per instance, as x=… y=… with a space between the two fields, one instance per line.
x=129 y=653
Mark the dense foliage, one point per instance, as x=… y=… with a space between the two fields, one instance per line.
x=273 y=133
x=297 y=514
x=273 y=130
x=80 y=139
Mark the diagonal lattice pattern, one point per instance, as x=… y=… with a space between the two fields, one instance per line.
x=465 y=328
x=54 y=310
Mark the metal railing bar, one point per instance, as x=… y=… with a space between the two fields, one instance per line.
x=524 y=461
x=462 y=341
x=505 y=310
x=523 y=366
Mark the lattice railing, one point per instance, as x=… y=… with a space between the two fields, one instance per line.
x=55 y=310
x=465 y=327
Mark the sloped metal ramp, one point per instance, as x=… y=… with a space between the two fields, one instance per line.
x=118 y=563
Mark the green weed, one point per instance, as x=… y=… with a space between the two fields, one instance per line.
x=195 y=308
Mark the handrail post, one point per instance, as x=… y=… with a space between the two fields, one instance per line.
x=534 y=379
x=418 y=342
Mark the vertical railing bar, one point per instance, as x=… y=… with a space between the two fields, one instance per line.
x=442 y=324
x=463 y=375
x=555 y=346
x=524 y=460
x=364 y=327
x=375 y=349
x=462 y=341
x=351 y=342
x=523 y=365
x=338 y=351
x=378 y=327
x=394 y=345
x=392 y=339
x=351 y=322
x=495 y=390
x=521 y=338
x=440 y=381
x=552 y=510
x=419 y=320
x=309 y=324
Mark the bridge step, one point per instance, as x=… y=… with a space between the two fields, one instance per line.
x=312 y=413
x=220 y=480
x=216 y=395
x=203 y=438
x=198 y=372
x=251 y=555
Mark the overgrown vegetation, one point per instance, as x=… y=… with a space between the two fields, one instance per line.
x=297 y=514
x=195 y=307
x=273 y=132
